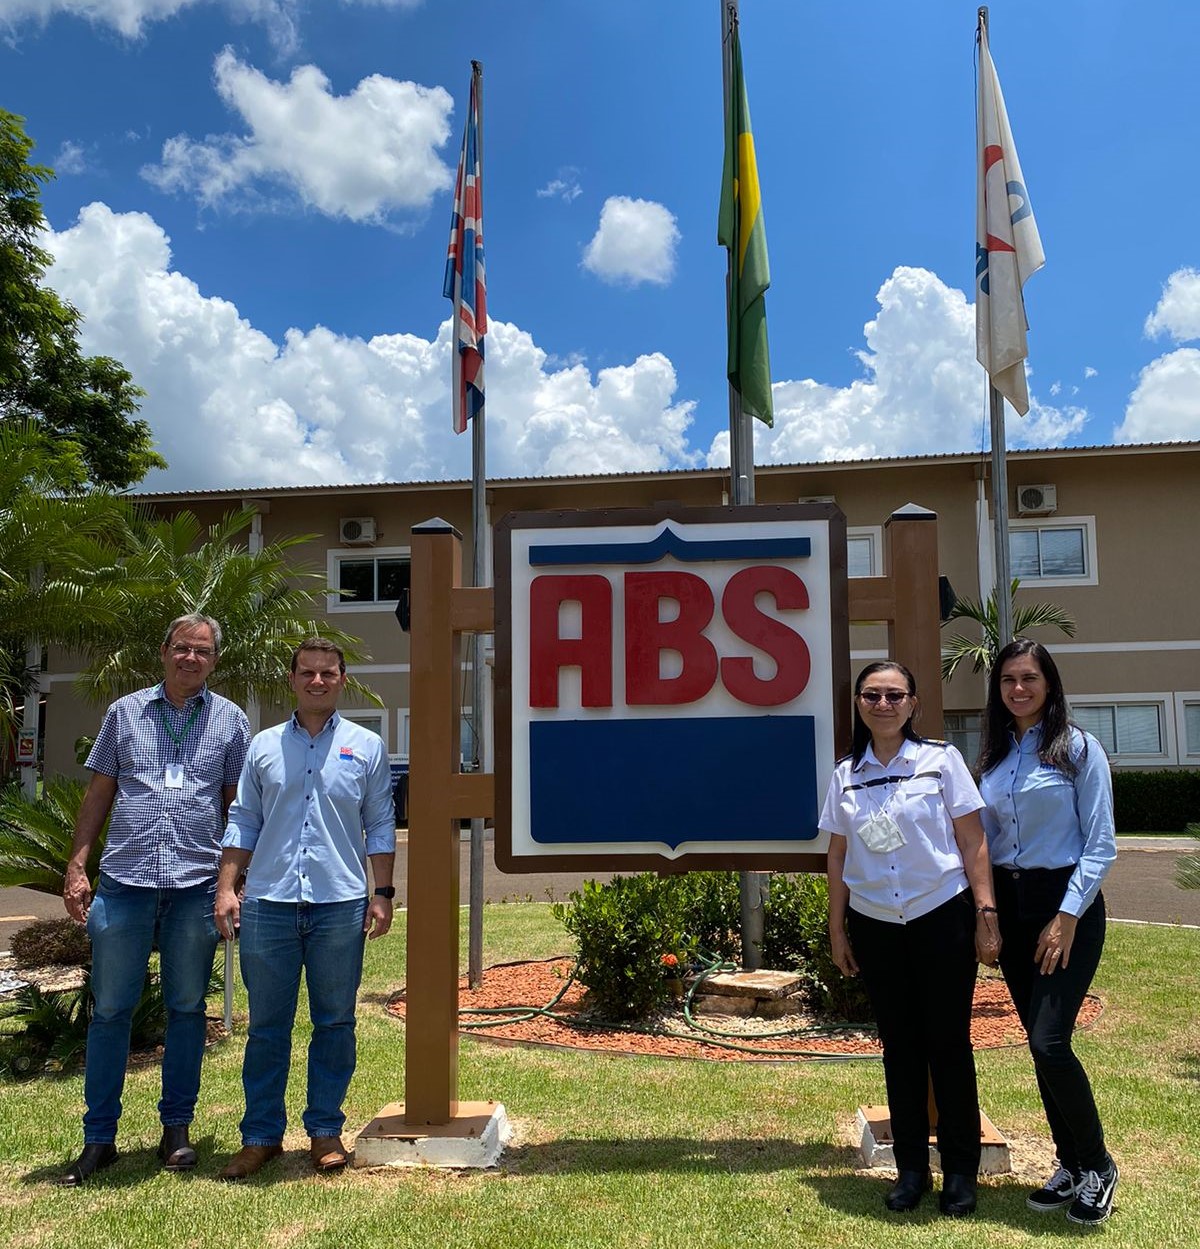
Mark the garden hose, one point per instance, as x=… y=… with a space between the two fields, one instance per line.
x=712 y=1036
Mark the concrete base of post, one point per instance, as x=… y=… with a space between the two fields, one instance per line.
x=474 y=1137
x=874 y=1127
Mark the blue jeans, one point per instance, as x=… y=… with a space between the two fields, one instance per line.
x=124 y=922
x=278 y=940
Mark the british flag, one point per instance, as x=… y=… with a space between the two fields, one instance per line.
x=465 y=281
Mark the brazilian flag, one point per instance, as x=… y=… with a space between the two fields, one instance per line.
x=740 y=228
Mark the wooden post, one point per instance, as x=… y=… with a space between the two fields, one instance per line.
x=438 y=796
x=906 y=598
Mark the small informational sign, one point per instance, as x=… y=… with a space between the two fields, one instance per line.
x=26 y=747
x=670 y=686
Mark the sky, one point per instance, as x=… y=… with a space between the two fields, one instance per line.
x=253 y=199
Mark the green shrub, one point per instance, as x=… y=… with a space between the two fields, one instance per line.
x=1160 y=801
x=796 y=938
x=622 y=931
x=51 y=943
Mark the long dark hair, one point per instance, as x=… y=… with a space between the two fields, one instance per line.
x=1055 y=747
x=862 y=734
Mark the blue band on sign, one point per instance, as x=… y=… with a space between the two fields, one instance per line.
x=670 y=543
x=701 y=779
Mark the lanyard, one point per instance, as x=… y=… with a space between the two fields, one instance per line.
x=180 y=738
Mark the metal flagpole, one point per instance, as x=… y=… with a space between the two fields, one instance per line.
x=751 y=885
x=479 y=577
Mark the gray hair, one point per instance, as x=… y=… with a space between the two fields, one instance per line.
x=194 y=620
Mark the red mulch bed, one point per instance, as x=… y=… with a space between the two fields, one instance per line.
x=534 y=984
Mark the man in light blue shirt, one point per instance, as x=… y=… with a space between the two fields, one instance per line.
x=314 y=800
x=164 y=766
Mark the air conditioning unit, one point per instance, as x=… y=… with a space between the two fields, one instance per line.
x=1032 y=500
x=356 y=530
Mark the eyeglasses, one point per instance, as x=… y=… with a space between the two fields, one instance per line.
x=182 y=652
x=891 y=697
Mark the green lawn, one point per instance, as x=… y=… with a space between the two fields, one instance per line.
x=622 y=1151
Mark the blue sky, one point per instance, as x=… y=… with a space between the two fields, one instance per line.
x=253 y=199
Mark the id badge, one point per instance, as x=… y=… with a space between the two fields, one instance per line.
x=173 y=777
x=881 y=833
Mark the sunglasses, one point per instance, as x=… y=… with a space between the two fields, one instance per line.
x=891 y=697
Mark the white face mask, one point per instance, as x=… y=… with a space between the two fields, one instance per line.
x=881 y=834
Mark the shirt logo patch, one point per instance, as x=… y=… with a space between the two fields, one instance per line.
x=346 y=754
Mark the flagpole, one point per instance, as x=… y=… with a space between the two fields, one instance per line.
x=1001 y=561
x=479 y=577
x=752 y=886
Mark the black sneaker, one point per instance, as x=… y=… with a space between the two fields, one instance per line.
x=1095 y=1200
x=1058 y=1191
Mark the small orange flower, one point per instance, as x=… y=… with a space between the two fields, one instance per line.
x=670 y=960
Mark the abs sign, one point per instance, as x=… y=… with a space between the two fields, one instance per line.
x=666 y=686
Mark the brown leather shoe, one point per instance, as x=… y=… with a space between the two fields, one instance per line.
x=249 y=1160
x=327 y=1153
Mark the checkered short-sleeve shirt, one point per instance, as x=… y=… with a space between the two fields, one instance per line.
x=160 y=837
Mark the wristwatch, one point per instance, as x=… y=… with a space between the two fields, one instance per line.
x=386 y=891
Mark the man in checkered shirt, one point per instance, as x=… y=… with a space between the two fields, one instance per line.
x=165 y=764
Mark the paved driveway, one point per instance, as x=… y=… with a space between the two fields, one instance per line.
x=1141 y=886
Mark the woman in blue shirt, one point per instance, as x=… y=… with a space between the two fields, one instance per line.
x=911 y=908
x=1049 y=824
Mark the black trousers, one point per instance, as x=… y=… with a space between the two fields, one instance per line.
x=1049 y=1005
x=920 y=978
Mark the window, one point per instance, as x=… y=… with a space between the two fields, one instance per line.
x=1124 y=728
x=964 y=729
x=1060 y=552
x=1190 y=723
x=864 y=546
x=367 y=580
x=465 y=736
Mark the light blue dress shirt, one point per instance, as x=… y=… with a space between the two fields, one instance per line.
x=310 y=809
x=161 y=836
x=1040 y=817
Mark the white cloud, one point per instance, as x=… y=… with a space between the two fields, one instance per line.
x=922 y=393
x=1165 y=404
x=360 y=156
x=635 y=242
x=1088 y=372
x=564 y=186
x=130 y=17
x=231 y=407
x=1056 y=388
x=70 y=159
x=1178 y=310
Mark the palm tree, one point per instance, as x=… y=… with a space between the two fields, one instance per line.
x=982 y=651
x=36 y=834
x=263 y=601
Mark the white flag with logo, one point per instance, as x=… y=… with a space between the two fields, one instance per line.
x=1007 y=247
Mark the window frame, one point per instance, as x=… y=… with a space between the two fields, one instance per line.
x=1087 y=524
x=1183 y=700
x=336 y=556
x=1168 y=755
x=874 y=535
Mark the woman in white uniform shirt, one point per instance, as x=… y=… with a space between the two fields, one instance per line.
x=911 y=908
x=1049 y=823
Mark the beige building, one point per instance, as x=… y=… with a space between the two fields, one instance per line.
x=1108 y=533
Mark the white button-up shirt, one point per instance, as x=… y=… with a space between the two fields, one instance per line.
x=924 y=788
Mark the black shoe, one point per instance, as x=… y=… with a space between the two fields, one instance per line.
x=909 y=1188
x=1095 y=1200
x=175 y=1149
x=958 y=1195
x=1057 y=1192
x=94 y=1158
